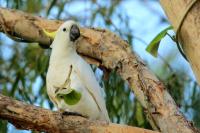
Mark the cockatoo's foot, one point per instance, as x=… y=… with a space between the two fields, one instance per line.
x=73 y=113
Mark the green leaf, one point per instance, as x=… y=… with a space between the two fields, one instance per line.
x=152 y=48
x=71 y=98
x=139 y=114
x=3 y=126
x=15 y=85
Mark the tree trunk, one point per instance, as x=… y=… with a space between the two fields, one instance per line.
x=190 y=29
x=105 y=49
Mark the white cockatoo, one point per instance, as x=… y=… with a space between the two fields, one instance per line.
x=71 y=83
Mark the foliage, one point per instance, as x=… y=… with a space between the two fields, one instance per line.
x=154 y=44
x=24 y=66
x=72 y=98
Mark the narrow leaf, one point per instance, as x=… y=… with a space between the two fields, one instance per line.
x=71 y=98
x=152 y=48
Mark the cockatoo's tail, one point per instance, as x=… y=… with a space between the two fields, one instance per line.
x=71 y=83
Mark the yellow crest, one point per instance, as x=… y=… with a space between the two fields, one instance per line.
x=50 y=34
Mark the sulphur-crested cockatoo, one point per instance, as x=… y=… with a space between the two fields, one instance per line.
x=71 y=83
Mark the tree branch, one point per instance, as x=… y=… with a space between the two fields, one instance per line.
x=105 y=49
x=189 y=32
x=25 y=116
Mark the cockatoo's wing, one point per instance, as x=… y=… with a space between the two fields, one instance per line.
x=86 y=75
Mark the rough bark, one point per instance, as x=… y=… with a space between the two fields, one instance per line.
x=190 y=30
x=107 y=50
x=25 y=116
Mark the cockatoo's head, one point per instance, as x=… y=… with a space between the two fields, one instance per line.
x=68 y=31
x=66 y=35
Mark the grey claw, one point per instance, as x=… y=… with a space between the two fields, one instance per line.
x=73 y=113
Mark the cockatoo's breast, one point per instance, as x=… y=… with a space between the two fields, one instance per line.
x=56 y=76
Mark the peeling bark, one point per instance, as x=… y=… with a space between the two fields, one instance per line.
x=25 y=116
x=107 y=50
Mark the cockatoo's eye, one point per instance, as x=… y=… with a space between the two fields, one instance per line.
x=64 y=29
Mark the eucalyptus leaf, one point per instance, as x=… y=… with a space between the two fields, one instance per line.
x=152 y=48
x=3 y=126
x=71 y=98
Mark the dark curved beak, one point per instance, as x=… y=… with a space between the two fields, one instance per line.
x=74 y=33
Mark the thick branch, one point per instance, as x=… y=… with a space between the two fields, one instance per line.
x=109 y=51
x=189 y=31
x=25 y=116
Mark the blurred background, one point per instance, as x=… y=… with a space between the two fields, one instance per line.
x=23 y=66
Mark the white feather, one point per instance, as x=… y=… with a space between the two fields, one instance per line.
x=83 y=80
